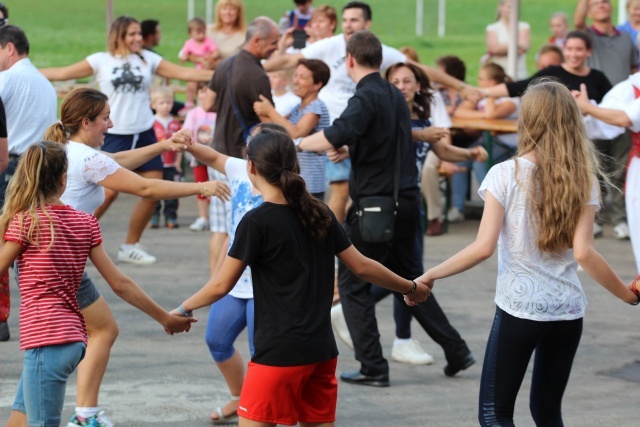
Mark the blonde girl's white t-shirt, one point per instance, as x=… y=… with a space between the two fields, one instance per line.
x=531 y=284
x=87 y=167
x=126 y=80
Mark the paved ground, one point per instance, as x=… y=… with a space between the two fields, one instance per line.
x=157 y=380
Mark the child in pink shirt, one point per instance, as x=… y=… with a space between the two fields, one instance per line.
x=201 y=123
x=197 y=49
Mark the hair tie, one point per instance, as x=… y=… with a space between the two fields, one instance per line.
x=44 y=148
x=61 y=124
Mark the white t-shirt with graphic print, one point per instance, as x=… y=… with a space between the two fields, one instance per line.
x=127 y=81
x=243 y=200
x=531 y=284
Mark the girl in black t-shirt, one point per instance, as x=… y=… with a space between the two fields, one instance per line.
x=290 y=242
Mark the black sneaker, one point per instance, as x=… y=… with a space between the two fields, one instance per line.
x=359 y=378
x=4 y=331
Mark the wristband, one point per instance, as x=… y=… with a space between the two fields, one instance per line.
x=184 y=313
x=413 y=289
x=637 y=302
x=296 y=142
x=634 y=289
x=202 y=190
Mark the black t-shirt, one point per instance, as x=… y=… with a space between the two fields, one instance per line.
x=293 y=277
x=248 y=82
x=3 y=121
x=597 y=83
x=376 y=122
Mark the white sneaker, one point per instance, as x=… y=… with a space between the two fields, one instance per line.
x=340 y=325
x=455 y=215
x=200 y=224
x=597 y=230
x=136 y=254
x=621 y=231
x=410 y=352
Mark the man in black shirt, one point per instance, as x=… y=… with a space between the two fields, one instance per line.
x=375 y=120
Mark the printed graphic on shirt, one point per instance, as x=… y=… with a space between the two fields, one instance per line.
x=127 y=79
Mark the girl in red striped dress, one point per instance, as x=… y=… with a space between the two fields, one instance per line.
x=51 y=243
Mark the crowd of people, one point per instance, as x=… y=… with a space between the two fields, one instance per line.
x=278 y=118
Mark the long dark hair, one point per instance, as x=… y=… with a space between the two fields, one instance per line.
x=275 y=158
x=422 y=98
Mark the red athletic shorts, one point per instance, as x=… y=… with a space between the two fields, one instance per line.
x=290 y=394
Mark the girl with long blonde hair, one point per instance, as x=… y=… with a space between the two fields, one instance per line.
x=540 y=206
x=51 y=242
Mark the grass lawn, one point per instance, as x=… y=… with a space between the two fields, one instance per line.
x=62 y=32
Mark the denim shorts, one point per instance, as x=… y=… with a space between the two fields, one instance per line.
x=87 y=293
x=338 y=172
x=43 y=381
x=116 y=143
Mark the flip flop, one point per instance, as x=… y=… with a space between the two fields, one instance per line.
x=222 y=418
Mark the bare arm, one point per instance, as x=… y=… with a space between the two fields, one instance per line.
x=173 y=71
x=497 y=91
x=267 y=112
x=209 y=101
x=9 y=251
x=494 y=48
x=76 y=71
x=594 y=263
x=580 y=15
x=482 y=248
x=451 y=153
x=613 y=117
x=4 y=154
x=209 y=156
x=316 y=142
x=218 y=286
x=374 y=272
x=129 y=291
x=282 y=62
x=125 y=181
x=499 y=111
x=133 y=159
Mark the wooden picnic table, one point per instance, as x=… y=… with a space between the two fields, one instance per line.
x=490 y=127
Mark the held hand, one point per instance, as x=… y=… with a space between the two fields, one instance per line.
x=336 y=156
x=217 y=189
x=178 y=323
x=420 y=295
x=434 y=134
x=286 y=39
x=448 y=169
x=263 y=107
x=479 y=154
x=181 y=140
x=582 y=97
x=471 y=93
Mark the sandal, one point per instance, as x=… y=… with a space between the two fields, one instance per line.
x=220 y=418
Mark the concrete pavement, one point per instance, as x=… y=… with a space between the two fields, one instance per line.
x=157 y=380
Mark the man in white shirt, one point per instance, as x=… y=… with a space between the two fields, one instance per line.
x=356 y=16
x=30 y=105
x=29 y=99
x=620 y=110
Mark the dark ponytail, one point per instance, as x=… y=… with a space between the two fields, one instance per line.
x=274 y=156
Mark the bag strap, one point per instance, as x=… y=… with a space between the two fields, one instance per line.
x=245 y=130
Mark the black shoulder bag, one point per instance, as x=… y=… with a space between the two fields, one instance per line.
x=377 y=214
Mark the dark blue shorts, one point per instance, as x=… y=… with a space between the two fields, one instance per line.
x=116 y=143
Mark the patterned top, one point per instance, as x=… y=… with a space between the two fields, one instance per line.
x=50 y=277
x=312 y=165
x=87 y=167
x=531 y=284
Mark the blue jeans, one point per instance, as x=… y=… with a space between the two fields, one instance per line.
x=227 y=318
x=44 y=380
